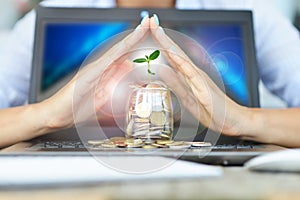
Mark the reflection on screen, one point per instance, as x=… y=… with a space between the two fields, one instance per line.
x=66 y=45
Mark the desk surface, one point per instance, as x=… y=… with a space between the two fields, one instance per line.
x=236 y=183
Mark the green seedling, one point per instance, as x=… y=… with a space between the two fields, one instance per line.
x=148 y=59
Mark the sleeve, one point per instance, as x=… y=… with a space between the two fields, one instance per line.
x=278 y=52
x=15 y=65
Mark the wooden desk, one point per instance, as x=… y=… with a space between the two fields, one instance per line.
x=236 y=183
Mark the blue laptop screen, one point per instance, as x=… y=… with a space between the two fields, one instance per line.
x=66 y=45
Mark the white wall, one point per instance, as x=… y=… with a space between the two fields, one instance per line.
x=8 y=14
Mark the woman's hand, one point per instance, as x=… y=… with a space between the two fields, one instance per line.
x=91 y=87
x=197 y=91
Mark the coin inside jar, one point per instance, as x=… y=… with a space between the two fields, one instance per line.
x=158 y=118
x=143 y=110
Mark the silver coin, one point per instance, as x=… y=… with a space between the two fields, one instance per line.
x=152 y=137
x=143 y=110
x=165 y=142
x=97 y=142
x=135 y=145
x=158 y=118
x=201 y=144
x=133 y=141
x=176 y=143
x=108 y=145
x=141 y=120
x=182 y=146
x=165 y=135
x=149 y=147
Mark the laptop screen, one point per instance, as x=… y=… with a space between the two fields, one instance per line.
x=66 y=45
x=64 y=39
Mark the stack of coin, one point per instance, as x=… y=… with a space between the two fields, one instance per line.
x=150 y=112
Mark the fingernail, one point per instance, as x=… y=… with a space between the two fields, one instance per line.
x=144 y=19
x=138 y=27
x=161 y=30
x=156 y=19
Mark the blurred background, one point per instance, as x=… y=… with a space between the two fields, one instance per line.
x=12 y=10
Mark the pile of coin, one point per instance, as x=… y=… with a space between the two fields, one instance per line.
x=150 y=113
x=122 y=142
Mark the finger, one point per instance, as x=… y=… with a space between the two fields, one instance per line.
x=165 y=42
x=183 y=91
x=163 y=39
x=107 y=83
x=107 y=86
x=129 y=41
x=89 y=74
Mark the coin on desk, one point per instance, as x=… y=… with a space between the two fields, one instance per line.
x=149 y=147
x=201 y=144
x=179 y=145
x=97 y=142
x=164 y=142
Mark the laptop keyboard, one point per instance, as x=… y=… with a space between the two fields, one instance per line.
x=75 y=145
x=62 y=145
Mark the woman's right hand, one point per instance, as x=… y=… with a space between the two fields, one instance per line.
x=196 y=90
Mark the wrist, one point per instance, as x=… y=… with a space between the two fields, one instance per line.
x=51 y=119
x=36 y=119
x=253 y=126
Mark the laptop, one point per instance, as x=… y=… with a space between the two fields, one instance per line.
x=65 y=36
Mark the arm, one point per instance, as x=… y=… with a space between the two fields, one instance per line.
x=23 y=123
x=94 y=81
x=274 y=126
x=280 y=127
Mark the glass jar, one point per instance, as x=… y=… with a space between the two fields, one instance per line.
x=150 y=112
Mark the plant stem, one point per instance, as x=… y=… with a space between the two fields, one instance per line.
x=149 y=75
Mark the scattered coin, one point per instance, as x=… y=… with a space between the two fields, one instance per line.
x=97 y=142
x=135 y=145
x=176 y=143
x=108 y=145
x=166 y=135
x=149 y=147
x=149 y=141
x=152 y=137
x=116 y=139
x=133 y=141
x=165 y=142
x=201 y=144
x=181 y=146
x=121 y=144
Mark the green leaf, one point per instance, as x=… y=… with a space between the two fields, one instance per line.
x=149 y=71
x=147 y=57
x=154 y=55
x=140 y=60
